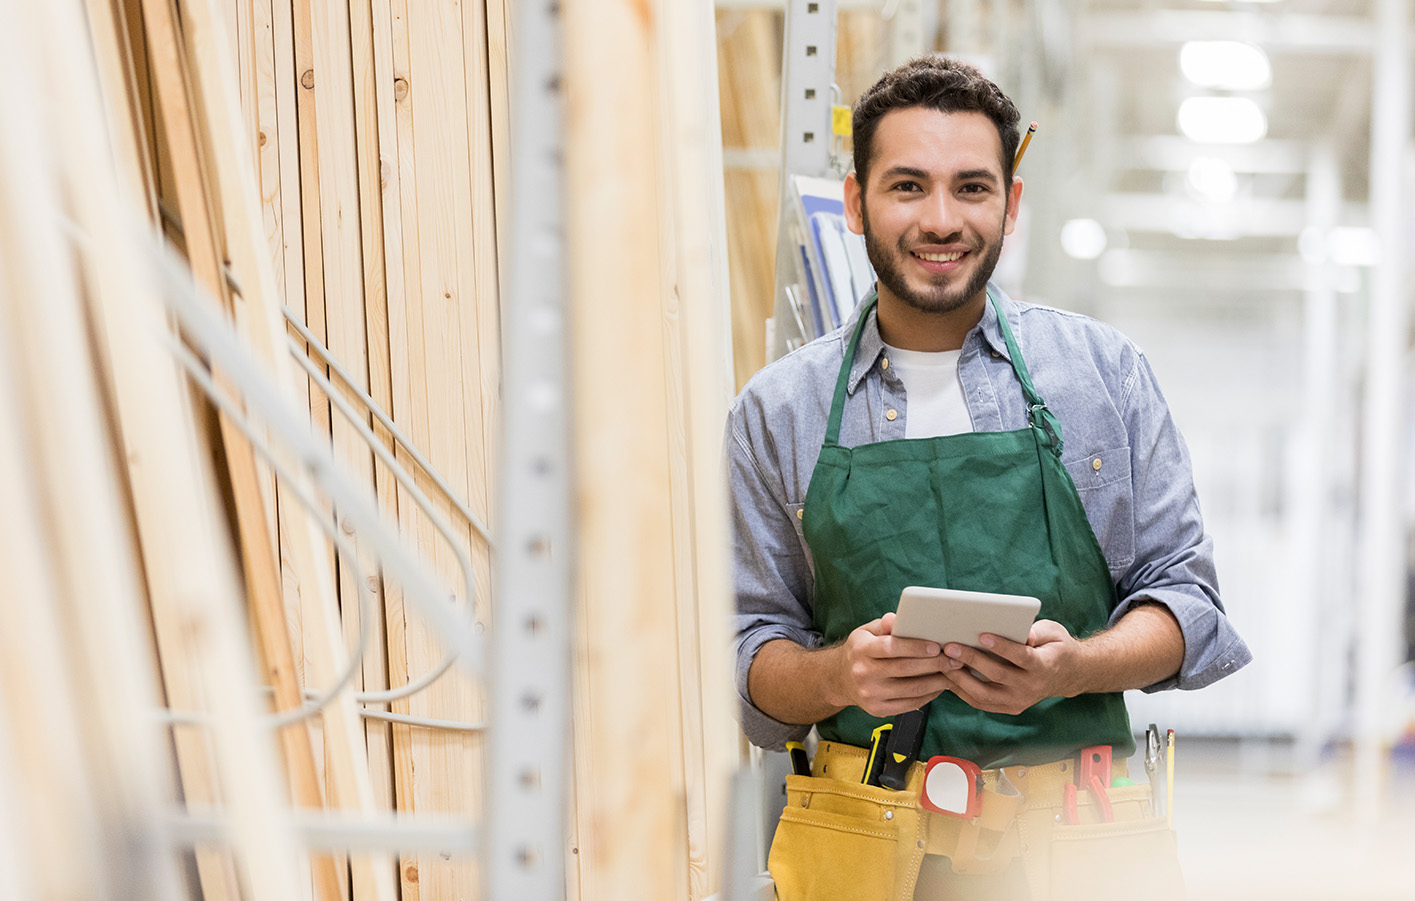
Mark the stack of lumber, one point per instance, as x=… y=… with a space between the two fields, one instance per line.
x=749 y=48
x=344 y=163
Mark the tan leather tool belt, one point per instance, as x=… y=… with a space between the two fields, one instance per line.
x=839 y=838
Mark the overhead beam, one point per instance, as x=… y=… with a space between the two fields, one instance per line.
x=1246 y=274
x=1243 y=219
x=1289 y=32
x=1171 y=153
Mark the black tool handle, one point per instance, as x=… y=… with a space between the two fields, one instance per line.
x=905 y=740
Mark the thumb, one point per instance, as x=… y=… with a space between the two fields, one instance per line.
x=1046 y=631
x=882 y=626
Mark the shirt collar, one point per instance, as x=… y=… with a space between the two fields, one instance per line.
x=872 y=345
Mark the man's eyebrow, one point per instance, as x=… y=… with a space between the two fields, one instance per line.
x=908 y=171
x=976 y=175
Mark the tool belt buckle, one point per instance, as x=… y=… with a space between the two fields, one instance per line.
x=952 y=787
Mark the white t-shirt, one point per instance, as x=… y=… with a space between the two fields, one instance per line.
x=936 y=402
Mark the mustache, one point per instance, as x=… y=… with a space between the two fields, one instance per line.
x=909 y=243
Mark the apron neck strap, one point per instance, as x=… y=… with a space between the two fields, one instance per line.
x=842 y=383
x=1038 y=415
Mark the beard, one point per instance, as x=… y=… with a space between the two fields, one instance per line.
x=938 y=297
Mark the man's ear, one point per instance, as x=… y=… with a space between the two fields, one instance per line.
x=1014 y=203
x=854 y=205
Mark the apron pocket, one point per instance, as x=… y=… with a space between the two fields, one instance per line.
x=843 y=841
x=1120 y=860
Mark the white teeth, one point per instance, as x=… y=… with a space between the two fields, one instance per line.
x=939 y=257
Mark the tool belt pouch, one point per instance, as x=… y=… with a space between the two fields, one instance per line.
x=1136 y=855
x=846 y=841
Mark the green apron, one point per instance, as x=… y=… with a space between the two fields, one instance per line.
x=980 y=511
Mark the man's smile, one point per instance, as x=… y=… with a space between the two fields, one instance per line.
x=939 y=262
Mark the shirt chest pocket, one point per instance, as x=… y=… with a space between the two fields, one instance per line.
x=1102 y=480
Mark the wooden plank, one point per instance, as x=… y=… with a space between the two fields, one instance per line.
x=87 y=525
x=309 y=191
x=122 y=100
x=57 y=832
x=370 y=171
x=218 y=878
x=252 y=497
x=749 y=80
x=625 y=789
x=400 y=217
x=694 y=175
x=340 y=224
x=274 y=626
x=499 y=73
x=446 y=764
x=235 y=179
x=312 y=304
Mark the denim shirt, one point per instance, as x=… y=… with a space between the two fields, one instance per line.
x=1120 y=446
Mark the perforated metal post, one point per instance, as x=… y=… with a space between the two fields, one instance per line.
x=807 y=72
x=530 y=649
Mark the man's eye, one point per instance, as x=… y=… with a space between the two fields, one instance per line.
x=973 y=189
x=908 y=187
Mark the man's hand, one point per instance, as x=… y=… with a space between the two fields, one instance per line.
x=1144 y=647
x=887 y=675
x=1019 y=675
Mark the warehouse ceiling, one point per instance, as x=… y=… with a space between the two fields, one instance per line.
x=1179 y=215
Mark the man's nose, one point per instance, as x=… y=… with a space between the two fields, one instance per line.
x=941 y=215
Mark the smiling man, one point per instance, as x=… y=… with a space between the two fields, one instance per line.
x=948 y=436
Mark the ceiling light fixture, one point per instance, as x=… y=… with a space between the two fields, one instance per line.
x=1083 y=239
x=1212 y=180
x=1222 y=120
x=1227 y=65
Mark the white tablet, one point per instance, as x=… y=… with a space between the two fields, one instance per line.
x=944 y=615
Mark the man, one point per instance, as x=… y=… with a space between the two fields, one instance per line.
x=947 y=436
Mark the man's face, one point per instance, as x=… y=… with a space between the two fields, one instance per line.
x=935 y=209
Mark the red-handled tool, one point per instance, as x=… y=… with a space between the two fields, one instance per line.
x=1095 y=761
x=1102 y=799
x=1069 y=816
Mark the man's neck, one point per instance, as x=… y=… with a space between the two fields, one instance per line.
x=908 y=328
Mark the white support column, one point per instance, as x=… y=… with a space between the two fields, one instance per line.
x=1381 y=583
x=1311 y=480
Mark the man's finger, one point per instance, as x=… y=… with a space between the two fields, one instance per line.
x=894 y=646
x=911 y=667
x=968 y=689
x=1011 y=651
x=982 y=661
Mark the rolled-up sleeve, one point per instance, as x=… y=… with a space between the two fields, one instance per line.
x=1174 y=563
x=772 y=574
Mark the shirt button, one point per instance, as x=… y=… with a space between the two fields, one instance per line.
x=996 y=355
x=891 y=415
x=884 y=363
x=801 y=513
x=1096 y=464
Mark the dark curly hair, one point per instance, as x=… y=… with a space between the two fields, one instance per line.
x=939 y=83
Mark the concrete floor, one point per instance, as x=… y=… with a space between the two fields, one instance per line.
x=1251 y=827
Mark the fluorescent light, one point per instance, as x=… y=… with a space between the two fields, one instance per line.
x=1229 y=65
x=1083 y=239
x=1212 y=180
x=1222 y=120
x=1353 y=246
x=1342 y=246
